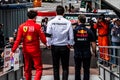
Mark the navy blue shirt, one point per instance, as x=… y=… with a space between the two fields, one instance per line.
x=82 y=37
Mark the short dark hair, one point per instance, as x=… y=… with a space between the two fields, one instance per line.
x=102 y=16
x=82 y=18
x=60 y=10
x=32 y=14
x=1 y=24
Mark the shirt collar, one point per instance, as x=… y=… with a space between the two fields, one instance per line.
x=59 y=16
x=31 y=20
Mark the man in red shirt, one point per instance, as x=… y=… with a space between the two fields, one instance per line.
x=30 y=33
x=103 y=39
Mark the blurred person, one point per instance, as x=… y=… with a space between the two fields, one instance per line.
x=112 y=24
x=15 y=34
x=72 y=9
x=91 y=22
x=89 y=7
x=103 y=36
x=46 y=20
x=66 y=8
x=44 y=24
x=9 y=44
x=84 y=38
x=1 y=44
x=60 y=39
x=30 y=33
x=95 y=10
x=115 y=38
x=109 y=22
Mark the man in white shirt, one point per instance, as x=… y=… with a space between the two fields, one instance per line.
x=60 y=38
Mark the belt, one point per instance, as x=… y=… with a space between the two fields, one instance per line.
x=59 y=45
x=103 y=35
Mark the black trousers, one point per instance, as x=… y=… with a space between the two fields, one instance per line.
x=86 y=67
x=60 y=53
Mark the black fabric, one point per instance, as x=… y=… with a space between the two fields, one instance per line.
x=1 y=39
x=83 y=36
x=1 y=47
x=60 y=53
x=117 y=32
x=86 y=67
x=48 y=35
x=82 y=54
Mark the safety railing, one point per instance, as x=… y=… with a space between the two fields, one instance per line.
x=12 y=68
x=109 y=62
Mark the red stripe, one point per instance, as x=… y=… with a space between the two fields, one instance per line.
x=47 y=13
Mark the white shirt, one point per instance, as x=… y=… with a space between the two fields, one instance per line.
x=61 y=32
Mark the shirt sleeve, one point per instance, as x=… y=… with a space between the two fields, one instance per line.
x=42 y=35
x=71 y=36
x=95 y=26
x=18 y=39
x=49 y=31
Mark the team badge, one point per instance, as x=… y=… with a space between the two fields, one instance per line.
x=25 y=28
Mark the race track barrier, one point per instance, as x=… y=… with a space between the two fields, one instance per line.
x=107 y=69
x=7 y=73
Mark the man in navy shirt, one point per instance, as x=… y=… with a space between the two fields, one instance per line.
x=83 y=38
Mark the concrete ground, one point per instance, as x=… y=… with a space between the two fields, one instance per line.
x=48 y=73
x=71 y=77
x=48 y=69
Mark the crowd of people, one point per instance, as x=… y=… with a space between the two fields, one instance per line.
x=59 y=36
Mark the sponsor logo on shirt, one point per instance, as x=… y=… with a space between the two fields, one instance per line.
x=59 y=23
x=25 y=28
x=82 y=35
x=31 y=29
x=29 y=38
x=82 y=31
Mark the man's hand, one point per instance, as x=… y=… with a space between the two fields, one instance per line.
x=2 y=55
x=49 y=47
x=69 y=46
x=11 y=54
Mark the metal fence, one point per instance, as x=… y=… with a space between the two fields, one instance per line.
x=13 y=74
x=11 y=16
x=110 y=69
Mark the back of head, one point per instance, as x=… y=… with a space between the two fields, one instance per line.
x=32 y=14
x=117 y=22
x=1 y=25
x=102 y=16
x=11 y=39
x=60 y=10
x=82 y=18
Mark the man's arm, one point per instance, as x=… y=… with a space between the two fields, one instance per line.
x=93 y=45
x=49 y=34
x=18 y=39
x=71 y=36
x=42 y=35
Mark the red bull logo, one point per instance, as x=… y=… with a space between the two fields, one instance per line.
x=82 y=31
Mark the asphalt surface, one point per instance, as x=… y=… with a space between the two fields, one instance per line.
x=47 y=57
x=48 y=69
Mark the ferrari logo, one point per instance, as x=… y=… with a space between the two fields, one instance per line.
x=25 y=28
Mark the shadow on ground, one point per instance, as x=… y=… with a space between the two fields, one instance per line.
x=47 y=58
